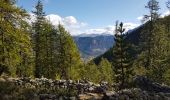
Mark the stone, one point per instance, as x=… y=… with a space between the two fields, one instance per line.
x=2 y=80
x=146 y=84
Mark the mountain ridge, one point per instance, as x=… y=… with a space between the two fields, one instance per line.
x=133 y=37
x=93 y=45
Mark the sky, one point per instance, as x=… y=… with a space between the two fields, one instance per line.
x=93 y=16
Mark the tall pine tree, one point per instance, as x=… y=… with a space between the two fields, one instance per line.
x=153 y=7
x=69 y=61
x=39 y=40
x=155 y=44
x=122 y=62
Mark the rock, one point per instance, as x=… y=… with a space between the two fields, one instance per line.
x=99 y=90
x=105 y=97
x=148 y=90
x=167 y=94
x=47 y=97
x=72 y=98
x=146 y=84
x=91 y=89
x=2 y=80
x=43 y=96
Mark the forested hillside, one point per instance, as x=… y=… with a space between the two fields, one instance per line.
x=138 y=41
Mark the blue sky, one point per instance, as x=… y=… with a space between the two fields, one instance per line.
x=93 y=14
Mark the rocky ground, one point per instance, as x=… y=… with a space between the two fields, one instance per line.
x=145 y=90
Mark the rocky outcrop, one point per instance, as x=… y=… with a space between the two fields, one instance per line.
x=146 y=84
x=137 y=94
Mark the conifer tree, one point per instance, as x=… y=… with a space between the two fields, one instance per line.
x=69 y=61
x=168 y=4
x=15 y=45
x=39 y=39
x=168 y=21
x=48 y=50
x=53 y=52
x=160 y=52
x=106 y=72
x=122 y=62
x=92 y=73
x=153 y=7
x=155 y=44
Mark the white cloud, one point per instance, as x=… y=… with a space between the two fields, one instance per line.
x=140 y=18
x=165 y=14
x=69 y=22
x=110 y=29
x=54 y=19
x=75 y=27
x=129 y=26
x=31 y=19
x=95 y=31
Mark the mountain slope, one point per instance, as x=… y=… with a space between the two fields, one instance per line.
x=91 y=46
x=134 y=38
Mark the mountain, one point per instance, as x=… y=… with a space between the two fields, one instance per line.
x=93 y=45
x=134 y=38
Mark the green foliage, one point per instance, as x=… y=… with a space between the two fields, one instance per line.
x=15 y=41
x=91 y=73
x=123 y=60
x=106 y=71
x=153 y=7
x=69 y=61
x=155 y=45
x=52 y=56
x=167 y=77
x=39 y=39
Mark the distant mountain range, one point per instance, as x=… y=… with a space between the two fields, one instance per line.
x=93 y=45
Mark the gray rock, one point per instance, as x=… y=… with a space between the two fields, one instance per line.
x=146 y=84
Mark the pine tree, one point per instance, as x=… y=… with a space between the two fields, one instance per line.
x=69 y=61
x=168 y=21
x=15 y=43
x=153 y=7
x=53 y=52
x=160 y=52
x=92 y=73
x=39 y=39
x=122 y=62
x=106 y=72
x=168 y=4
x=48 y=49
x=52 y=56
x=155 y=44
